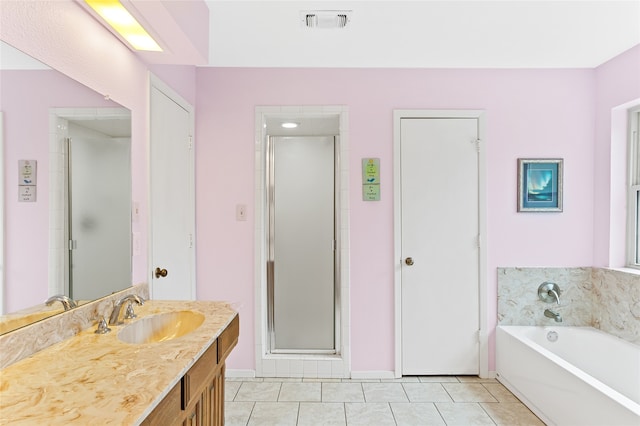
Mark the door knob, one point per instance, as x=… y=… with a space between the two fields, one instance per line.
x=409 y=261
x=161 y=272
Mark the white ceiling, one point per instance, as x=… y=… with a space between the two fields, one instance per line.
x=424 y=33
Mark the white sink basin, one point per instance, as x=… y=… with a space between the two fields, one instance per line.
x=161 y=327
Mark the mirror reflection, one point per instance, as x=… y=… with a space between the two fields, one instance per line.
x=68 y=230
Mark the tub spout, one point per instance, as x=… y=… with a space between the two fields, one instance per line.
x=555 y=315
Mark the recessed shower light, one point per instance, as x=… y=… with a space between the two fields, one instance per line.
x=289 y=125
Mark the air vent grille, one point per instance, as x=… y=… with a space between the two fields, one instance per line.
x=325 y=18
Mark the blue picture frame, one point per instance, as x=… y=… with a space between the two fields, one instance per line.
x=540 y=184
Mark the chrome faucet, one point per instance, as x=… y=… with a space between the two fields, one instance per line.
x=555 y=315
x=115 y=314
x=555 y=294
x=67 y=302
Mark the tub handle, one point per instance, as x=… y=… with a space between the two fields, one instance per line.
x=549 y=292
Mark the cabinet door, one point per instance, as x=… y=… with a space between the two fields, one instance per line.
x=195 y=415
x=214 y=402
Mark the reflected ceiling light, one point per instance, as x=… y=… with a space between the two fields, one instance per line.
x=289 y=125
x=119 y=18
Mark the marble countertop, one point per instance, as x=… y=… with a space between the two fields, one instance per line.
x=93 y=378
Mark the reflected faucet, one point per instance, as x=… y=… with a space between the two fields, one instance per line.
x=67 y=302
x=115 y=314
x=555 y=315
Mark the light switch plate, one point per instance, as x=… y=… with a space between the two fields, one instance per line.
x=241 y=212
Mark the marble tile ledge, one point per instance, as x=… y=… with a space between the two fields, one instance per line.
x=93 y=378
x=26 y=341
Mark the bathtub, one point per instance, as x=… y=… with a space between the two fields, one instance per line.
x=573 y=376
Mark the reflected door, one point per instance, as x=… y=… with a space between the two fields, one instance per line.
x=99 y=214
x=301 y=281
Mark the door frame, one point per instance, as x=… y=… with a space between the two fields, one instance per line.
x=300 y=365
x=483 y=336
x=155 y=82
x=58 y=262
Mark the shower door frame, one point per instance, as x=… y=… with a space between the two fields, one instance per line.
x=270 y=181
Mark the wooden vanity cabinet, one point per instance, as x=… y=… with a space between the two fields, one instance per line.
x=198 y=398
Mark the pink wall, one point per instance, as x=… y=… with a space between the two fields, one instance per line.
x=529 y=113
x=26 y=98
x=617 y=88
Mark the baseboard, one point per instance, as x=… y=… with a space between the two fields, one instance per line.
x=362 y=375
x=232 y=373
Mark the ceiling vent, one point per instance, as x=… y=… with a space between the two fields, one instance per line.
x=325 y=18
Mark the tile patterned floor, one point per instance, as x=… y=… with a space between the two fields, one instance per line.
x=410 y=401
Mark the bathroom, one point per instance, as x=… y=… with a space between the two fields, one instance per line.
x=525 y=117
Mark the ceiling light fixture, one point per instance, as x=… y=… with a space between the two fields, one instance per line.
x=325 y=18
x=289 y=125
x=119 y=18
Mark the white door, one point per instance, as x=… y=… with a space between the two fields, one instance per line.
x=439 y=245
x=172 y=206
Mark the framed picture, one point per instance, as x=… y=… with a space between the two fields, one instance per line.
x=540 y=184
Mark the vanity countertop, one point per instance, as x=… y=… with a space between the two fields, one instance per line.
x=93 y=378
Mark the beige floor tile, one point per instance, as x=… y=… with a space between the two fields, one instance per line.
x=511 y=414
x=368 y=414
x=384 y=392
x=426 y=392
x=438 y=379
x=475 y=379
x=274 y=413
x=414 y=414
x=298 y=392
x=321 y=414
x=468 y=392
x=463 y=414
x=500 y=393
x=230 y=390
x=258 y=391
x=342 y=392
x=237 y=413
x=405 y=379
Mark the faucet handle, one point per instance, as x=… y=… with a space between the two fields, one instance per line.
x=103 y=328
x=130 y=313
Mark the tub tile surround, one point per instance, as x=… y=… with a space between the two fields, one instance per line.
x=28 y=340
x=606 y=299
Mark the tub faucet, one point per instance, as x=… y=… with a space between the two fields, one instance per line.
x=555 y=315
x=115 y=314
x=67 y=302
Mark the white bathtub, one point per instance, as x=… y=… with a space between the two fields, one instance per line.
x=586 y=377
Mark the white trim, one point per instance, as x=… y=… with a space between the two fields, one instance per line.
x=2 y=301
x=155 y=82
x=633 y=170
x=320 y=366
x=483 y=335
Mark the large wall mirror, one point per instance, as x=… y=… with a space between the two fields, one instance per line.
x=67 y=227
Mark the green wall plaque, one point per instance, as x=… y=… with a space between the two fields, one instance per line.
x=371 y=179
